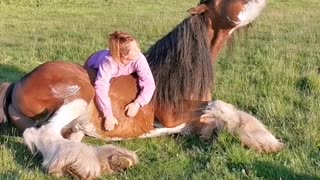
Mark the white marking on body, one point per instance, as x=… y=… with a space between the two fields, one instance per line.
x=249 y=13
x=161 y=131
x=165 y=131
x=62 y=92
x=182 y=128
x=67 y=113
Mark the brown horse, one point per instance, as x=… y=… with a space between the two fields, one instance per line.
x=60 y=95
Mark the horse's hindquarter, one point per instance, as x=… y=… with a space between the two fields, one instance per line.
x=49 y=86
x=123 y=90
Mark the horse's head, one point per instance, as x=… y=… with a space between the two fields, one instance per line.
x=226 y=16
x=230 y=13
x=186 y=49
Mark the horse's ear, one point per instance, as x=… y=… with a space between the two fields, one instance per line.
x=199 y=9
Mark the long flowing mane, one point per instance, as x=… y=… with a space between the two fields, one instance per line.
x=181 y=64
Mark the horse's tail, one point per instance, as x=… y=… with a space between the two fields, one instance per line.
x=5 y=100
x=251 y=131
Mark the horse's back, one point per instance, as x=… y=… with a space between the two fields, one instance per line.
x=49 y=86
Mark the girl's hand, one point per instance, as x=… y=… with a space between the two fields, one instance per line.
x=110 y=122
x=132 y=109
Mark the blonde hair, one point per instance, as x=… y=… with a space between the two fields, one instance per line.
x=119 y=44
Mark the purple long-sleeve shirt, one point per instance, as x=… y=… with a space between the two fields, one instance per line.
x=108 y=68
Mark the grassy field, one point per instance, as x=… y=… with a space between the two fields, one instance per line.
x=271 y=72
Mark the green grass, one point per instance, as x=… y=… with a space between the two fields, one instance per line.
x=270 y=72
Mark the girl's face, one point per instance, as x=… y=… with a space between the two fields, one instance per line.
x=134 y=52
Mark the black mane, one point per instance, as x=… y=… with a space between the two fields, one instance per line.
x=181 y=64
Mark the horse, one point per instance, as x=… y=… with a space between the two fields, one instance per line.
x=58 y=96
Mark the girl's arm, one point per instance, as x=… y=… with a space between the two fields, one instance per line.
x=146 y=82
x=102 y=86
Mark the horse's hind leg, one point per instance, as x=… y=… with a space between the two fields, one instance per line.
x=58 y=121
x=20 y=121
x=74 y=133
x=61 y=154
x=66 y=114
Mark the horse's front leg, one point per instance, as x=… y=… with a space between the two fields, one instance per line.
x=251 y=131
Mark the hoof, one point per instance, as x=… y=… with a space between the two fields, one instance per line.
x=120 y=163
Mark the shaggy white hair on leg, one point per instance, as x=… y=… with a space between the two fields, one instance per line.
x=114 y=159
x=66 y=157
x=30 y=137
x=251 y=131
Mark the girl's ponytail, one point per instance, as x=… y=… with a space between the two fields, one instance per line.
x=114 y=46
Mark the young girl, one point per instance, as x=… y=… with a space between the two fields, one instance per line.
x=123 y=58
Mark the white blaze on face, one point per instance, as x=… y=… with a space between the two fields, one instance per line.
x=249 y=13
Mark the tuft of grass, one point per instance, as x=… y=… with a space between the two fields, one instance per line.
x=272 y=71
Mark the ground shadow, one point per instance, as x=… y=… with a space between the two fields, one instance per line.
x=8 y=130
x=304 y=86
x=197 y=150
x=10 y=175
x=10 y=73
x=192 y=141
x=10 y=141
x=271 y=171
